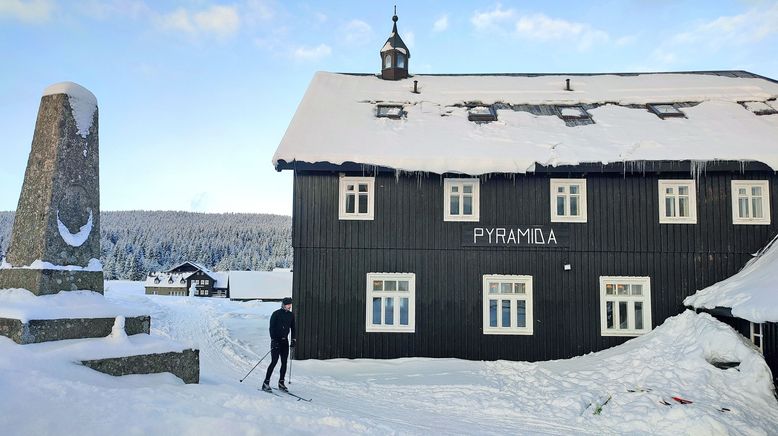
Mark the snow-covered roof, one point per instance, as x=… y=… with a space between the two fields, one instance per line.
x=751 y=294
x=221 y=279
x=336 y=121
x=166 y=280
x=194 y=264
x=262 y=285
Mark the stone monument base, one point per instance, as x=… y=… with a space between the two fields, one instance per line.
x=44 y=330
x=50 y=281
x=184 y=364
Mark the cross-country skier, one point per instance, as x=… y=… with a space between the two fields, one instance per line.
x=281 y=322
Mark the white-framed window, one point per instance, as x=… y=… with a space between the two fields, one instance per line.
x=507 y=305
x=757 y=335
x=391 y=302
x=357 y=197
x=677 y=202
x=750 y=202
x=568 y=200
x=625 y=305
x=460 y=199
x=388 y=61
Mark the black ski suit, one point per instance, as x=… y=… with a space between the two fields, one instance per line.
x=281 y=323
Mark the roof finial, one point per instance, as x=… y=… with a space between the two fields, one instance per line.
x=394 y=18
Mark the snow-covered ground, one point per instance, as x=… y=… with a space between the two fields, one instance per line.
x=45 y=393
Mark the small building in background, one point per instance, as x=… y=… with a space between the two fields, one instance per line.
x=180 y=279
x=236 y=285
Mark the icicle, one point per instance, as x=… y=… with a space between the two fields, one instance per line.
x=698 y=168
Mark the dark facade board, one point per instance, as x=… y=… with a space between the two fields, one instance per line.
x=622 y=237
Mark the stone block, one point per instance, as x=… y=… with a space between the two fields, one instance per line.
x=184 y=365
x=47 y=281
x=46 y=330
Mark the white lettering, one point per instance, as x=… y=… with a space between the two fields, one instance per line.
x=551 y=237
x=489 y=232
x=524 y=232
x=500 y=233
x=478 y=231
x=539 y=239
x=511 y=237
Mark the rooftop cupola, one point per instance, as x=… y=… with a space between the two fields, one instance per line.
x=394 y=55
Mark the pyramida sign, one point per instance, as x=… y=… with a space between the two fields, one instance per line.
x=515 y=236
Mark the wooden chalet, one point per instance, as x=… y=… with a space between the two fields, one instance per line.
x=179 y=280
x=520 y=216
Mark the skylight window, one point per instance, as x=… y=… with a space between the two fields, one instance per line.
x=389 y=111
x=760 y=108
x=572 y=113
x=665 y=110
x=483 y=114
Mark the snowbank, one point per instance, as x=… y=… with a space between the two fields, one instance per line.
x=752 y=293
x=402 y=396
x=336 y=122
x=83 y=104
x=94 y=265
x=23 y=305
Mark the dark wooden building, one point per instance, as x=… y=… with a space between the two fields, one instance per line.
x=520 y=216
x=178 y=281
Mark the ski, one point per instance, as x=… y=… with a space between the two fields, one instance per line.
x=299 y=398
x=269 y=392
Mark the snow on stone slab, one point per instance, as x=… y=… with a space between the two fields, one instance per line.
x=76 y=350
x=23 y=305
x=83 y=103
x=752 y=293
x=94 y=265
x=399 y=396
x=336 y=122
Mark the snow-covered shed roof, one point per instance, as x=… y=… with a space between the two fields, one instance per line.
x=261 y=285
x=751 y=294
x=336 y=121
x=220 y=279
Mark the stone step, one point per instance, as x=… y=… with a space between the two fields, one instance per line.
x=183 y=364
x=44 y=330
x=119 y=354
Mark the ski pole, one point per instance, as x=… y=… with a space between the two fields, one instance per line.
x=290 y=366
x=255 y=366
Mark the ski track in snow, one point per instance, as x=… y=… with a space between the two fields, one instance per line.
x=400 y=396
x=225 y=359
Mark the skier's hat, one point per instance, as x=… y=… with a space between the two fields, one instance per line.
x=286 y=300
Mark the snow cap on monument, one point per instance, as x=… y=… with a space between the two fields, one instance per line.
x=56 y=235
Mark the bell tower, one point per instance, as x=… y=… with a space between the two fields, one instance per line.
x=394 y=55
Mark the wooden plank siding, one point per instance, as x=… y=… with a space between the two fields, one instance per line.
x=621 y=237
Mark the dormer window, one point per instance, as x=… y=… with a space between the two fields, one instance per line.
x=482 y=114
x=759 y=108
x=156 y=280
x=394 y=111
x=388 y=61
x=665 y=110
x=170 y=281
x=572 y=113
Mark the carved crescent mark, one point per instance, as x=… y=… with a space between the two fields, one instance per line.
x=75 y=239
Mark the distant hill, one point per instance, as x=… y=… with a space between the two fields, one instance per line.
x=136 y=242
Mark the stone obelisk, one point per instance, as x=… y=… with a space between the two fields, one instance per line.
x=55 y=243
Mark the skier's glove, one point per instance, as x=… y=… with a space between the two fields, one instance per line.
x=294 y=343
